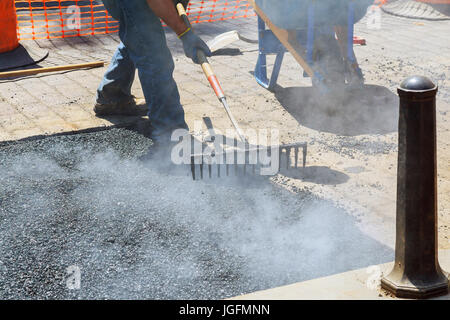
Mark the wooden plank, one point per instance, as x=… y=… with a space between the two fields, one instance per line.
x=283 y=36
x=29 y=72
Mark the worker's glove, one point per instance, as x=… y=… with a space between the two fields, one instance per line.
x=192 y=43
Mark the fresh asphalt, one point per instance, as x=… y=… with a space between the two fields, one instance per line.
x=88 y=202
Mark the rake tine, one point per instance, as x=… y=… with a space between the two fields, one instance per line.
x=305 y=150
x=288 y=157
x=201 y=169
x=256 y=162
x=245 y=162
x=227 y=166
x=235 y=157
x=193 y=167
x=269 y=153
x=280 y=153
x=223 y=160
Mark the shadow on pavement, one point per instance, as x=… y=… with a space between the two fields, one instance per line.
x=23 y=56
x=442 y=8
x=317 y=174
x=368 y=110
x=232 y=52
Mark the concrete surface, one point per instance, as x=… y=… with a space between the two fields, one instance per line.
x=359 y=284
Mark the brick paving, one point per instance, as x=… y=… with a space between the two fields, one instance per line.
x=418 y=10
x=62 y=102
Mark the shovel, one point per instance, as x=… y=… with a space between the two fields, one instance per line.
x=227 y=38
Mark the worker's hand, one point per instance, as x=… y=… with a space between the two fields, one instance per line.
x=192 y=43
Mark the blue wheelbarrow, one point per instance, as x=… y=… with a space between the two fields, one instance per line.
x=319 y=35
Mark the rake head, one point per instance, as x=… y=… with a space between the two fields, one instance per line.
x=256 y=161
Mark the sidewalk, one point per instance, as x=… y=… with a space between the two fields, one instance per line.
x=353 y=285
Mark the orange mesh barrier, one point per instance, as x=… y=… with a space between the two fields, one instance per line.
x=8 y=35
x=49 y=19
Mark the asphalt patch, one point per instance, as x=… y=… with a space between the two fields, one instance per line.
x=83 y=217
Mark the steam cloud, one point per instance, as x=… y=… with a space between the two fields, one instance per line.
x=136 y=232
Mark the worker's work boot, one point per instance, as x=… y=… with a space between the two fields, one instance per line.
x=128 y=108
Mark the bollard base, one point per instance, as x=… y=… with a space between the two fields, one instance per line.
x=404 y=288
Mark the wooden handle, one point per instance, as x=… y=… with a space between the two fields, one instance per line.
x=181 y=10
x=182 y=13
x=29 y=72
x=203 y=60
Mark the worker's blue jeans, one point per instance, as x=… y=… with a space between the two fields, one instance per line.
x=143 y=46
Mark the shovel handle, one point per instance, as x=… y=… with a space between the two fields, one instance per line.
x=207 y=69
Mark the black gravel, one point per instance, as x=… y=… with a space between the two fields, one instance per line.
x=136 y=232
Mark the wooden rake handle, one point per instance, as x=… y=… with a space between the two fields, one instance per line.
x=207 y=69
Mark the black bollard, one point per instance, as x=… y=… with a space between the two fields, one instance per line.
x=416 y=272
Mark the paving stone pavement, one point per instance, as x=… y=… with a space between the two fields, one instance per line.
x=62 y=102
x=359 y=144
x=419 y=10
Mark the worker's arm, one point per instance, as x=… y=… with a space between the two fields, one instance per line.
x=165 y=10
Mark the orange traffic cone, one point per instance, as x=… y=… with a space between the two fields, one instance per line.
x=8 y=26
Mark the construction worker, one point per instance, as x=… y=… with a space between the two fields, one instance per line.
x=143 y=47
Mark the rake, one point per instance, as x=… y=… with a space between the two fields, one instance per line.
x=243 y=154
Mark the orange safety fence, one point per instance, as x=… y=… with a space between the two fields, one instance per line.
x=50 y=19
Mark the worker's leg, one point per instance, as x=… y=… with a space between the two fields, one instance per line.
x=115 y=87
x=144 y=38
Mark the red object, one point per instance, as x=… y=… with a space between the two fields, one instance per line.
x=360 y=41
x=216 y=86
x=8 y=26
